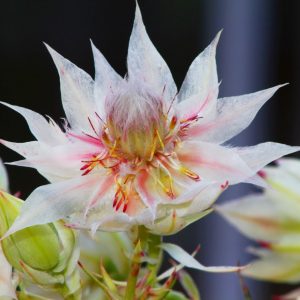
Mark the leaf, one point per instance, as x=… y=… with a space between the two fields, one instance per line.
x=189 y=285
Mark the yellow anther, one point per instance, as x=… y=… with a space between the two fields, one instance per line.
x=160 y=139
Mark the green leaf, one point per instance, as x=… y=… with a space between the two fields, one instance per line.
x=189 y=285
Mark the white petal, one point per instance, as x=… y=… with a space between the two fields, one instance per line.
x=205 y=199
x=255 y=216
x=3 y=177
x=106 y=79
x=27 y=149
x=275 y=267
x=214 y=162
x=262 y=154
x=290 y=165
x=284 y=192
x=234 y=114
x=6 y=286
x=46 y=132
x=145 y=63
x=56 y=201
x=200 y=86
x=77 y=89
x=189 y=261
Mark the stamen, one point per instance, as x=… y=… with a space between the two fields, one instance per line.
x=190 y=173
x=93 y=127
x=153 y=147
x=160 y=139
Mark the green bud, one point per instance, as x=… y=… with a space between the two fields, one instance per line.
x=44 y=254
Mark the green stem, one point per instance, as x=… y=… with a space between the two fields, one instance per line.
x=134 y=271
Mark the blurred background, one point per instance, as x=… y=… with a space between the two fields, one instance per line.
x=259 y=48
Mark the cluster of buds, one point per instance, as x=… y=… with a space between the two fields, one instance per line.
x=41 y=255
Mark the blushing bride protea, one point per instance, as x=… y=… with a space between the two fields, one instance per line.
x=134 y=149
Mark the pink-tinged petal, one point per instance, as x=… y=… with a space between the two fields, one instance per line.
x=62 y=162
x=233 y=114
x=7 y=290
x=106 y=80
x=45 y=132
x=145 y=63
x=275 y=267
x=143 y=189
x=213 y=162
x=199 y=90
x=262 y=154
x=77 y=89
x=56 y=201
x=255 y=216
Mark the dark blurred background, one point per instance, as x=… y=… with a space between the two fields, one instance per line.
x=259 y=48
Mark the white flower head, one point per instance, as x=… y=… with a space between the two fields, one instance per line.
x=273 y=220
x=136 y=150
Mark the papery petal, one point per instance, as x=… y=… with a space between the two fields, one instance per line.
x=275 y=267
x=46 y=132
x=62 y=162
x=77 y=88
x=284 y=192
x=262 y=154
x=106 y=80
x=3 y=177
x=200 y=86
x=27 y=149
x=56 y=201
x=145 y=63
x=290 y=165
x=189 y=261
x=255 y=216
x=234 y=114
x=204 y=199
x=6 y=286
x=213 y=162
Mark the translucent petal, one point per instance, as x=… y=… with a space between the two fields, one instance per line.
x=106 y=79
x=290 y=165
x=77 y=88
x=25 y=149
x=200 y=86
x=6 y=285
x=45 y=132
x=214 y=162
x=3 y=177
x=56 y=201
x=234 y=114
x=145 y=63
x=255 y=216
x=189 y=261
x=262 y=154
x=275 y=267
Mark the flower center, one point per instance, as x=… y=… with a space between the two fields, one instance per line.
x=139 y=138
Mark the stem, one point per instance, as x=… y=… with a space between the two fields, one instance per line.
x=146 y=243
x=134 y=270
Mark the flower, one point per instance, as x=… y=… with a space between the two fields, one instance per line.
x=273 y=220
x=134 y=149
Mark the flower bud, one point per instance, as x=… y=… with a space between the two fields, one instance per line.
x=44 y=254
